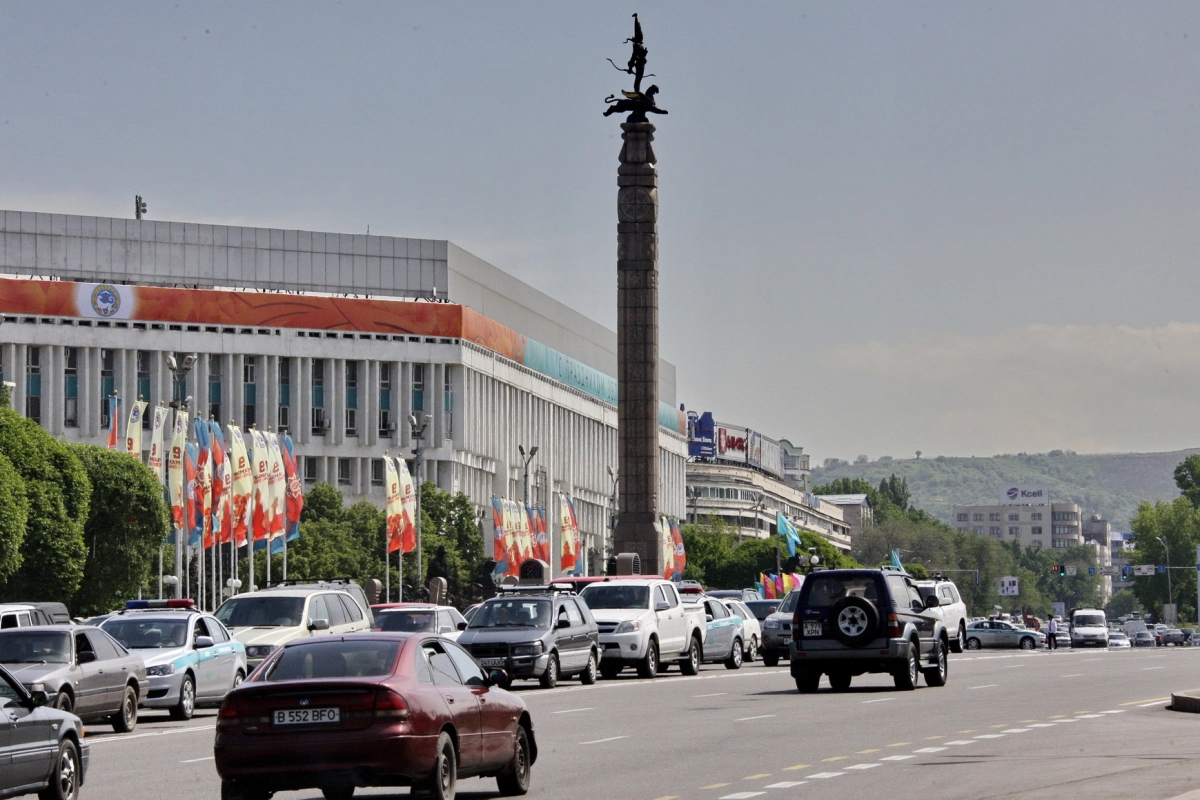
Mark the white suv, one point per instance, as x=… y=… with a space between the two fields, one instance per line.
x=951 y=609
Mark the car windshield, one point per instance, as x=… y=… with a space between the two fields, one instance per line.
x=342 y=659
x=1118 y=636
x=35 y=647
x=147 y=634
x=825 y=590
x=1089 y=620
x=608 y=596
x=789 y=603
x=409 y=621
x=514 y=613
x=261 y=612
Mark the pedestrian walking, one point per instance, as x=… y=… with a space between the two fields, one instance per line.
x=1052 y=634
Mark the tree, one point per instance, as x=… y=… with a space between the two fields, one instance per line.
x=1121 y=603
x=322 y=501
x=896 y=491
x=14 y=515
x=127 y=522
x=1177 y=525
x=58 y=492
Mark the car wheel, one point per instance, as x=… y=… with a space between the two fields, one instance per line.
x=936 y=675
x=235 y=791
x=839 y=681
x=549 y=678
x=906 y=679
x=752 y=650
x=588 y=676
x=648 y=666
x=339 y=792
x=691 y=664
x=957 y=645
x=126 y=718
x=443 y=783
x=1027 y=643
x=515 y=780
x=238 y=677
x=63 y=701
x=974 y=644
x=64 y=781
x=770 y=659
x=807 y=682
x=186 y=706
x=609 y=670
x=735 y=656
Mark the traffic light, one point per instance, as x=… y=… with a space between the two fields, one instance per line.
x=1062 y=570
x=139 y=206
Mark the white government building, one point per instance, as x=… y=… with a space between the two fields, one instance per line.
x=336 y=338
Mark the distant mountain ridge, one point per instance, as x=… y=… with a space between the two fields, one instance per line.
x=1111 y=484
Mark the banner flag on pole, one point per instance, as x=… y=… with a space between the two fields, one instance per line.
x=133 y=430
x=408 y=496
x=155 y=460
x=394 y=513
x=276 y=489
x=222 y=479
x=568 y=547
x=204 y=477
x=499 y=550
x=242 y=487
x=114 y=412
x=176 y=477
x=294 y=504
x=191 y=454
x=787 y=532
x=543 y=535
x=260 y=468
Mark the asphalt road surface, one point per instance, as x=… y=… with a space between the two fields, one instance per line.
x=1065 y=724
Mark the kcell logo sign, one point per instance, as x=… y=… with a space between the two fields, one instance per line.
x=1025 y=496
x=1013 y=492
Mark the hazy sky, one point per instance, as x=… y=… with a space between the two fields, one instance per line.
x=884 y=227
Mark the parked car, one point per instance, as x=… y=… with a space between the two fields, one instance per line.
x=270 y=618
x=1173 y=637
x=761 y=609
x=996 y=633
x=735 y=594
x=45 y=750
x=723 y=636
x=372 y=709
x=190 y=658
x=848 y=622
x=777 y=630
x=1144 y=638
x=751 y=629
x=419 y=618
x=1088 y=627
x=643 y=622
x=540 y=637
x=1194 y=640
x=81 y=669
x=1118 y=641
x=951 y=609
x=25 y=615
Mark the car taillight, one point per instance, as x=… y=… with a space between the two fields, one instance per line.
x=893 y=626
x=230 y=714
x=390 y=707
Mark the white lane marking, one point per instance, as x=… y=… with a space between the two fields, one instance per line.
x=1155 y=703
x=785 y=784
x=1013 y=666
x=1153 y=667
x=741 y=795
x=1068 y=720
x=930 y=750
x=1114 y=711
x=825 y=775
x=1042 y=725
x=1089 y=716
x=1073 y=675
x=986 y=686
x=760 y=716
x=960 y=742
x=713 y=694
x=895 y=758
x=194 y=760
x=602 y=741
x=880 y=700
x=990 y=736
x=1016 y=730
x=864 y=766
x=572 y=710
x=156 y=733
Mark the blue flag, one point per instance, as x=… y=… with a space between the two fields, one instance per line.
x=787 y=532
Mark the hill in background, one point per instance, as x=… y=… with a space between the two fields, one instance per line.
x=1111 y=484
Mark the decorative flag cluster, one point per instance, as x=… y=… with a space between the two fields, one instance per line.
x=520 y=533
x=673 y=553
x=776 y=587
x=569 y=540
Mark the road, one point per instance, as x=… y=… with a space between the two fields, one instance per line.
x=1065 y=724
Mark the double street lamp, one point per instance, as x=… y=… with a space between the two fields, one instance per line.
x=527 y=458
x=418 y=434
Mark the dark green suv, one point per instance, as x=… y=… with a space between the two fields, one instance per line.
x=849 y=622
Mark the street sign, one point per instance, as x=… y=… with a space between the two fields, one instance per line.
x=1091 y=570
x=1170 y=612
x=1071 y=569
x=1009 y=587
x=1162 y=570
x=1143 y=569
x=1109 y=571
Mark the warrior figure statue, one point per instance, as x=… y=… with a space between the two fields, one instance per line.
x=636 y=103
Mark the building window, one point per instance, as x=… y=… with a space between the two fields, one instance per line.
x=1065 y=530
x=963 y=517
x=979 y=530
x=994 y=530
x=214 y=386
x=994 y=516
x=1036 y=543
x=285 y=394
x=352 y=398
x=977 y=517
x=318 y=397
x=418 y=389
x=343 y=472
x=106 y=384
x=1064 y=516
x=1014 y=517
x=1061 y=544
x=385 y=399
x=1013 y=530
x=250 y=390
x=377 y=471
x=310 y=469
x=143 y=383
x=1036 y=530
x=33 y=384
x=71 y=388
x=1036 y=516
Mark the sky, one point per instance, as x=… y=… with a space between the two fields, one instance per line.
x=958 y=228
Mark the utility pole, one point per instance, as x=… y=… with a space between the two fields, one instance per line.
x=418 y=434
x=1167 y=550
x=139 y=206
x=179 y=402
x=612 y=519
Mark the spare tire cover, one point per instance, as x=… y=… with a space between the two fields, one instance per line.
x=855 y=621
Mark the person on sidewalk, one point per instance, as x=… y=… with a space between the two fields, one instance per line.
x=1052 y=634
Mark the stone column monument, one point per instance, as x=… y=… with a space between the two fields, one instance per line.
x=637 y=318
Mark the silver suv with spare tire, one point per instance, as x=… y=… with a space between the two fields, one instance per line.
x=849 y=622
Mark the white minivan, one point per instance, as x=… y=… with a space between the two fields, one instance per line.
x=1088 y=627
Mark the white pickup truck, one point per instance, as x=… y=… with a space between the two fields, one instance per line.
x=644 y=624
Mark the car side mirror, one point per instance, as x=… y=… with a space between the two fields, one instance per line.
x=563 y=622
x=932 y=601
x=86 y=657
x=497 y=677
x=661 y=606
x=318 y=625
x=708 y=617
x=204 y=641
x=462 y=626
x=39 y=698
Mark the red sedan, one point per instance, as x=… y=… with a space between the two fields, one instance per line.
x=371 y=709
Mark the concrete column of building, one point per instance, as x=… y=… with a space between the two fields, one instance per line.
x=637 y=344
x=335 y=400
x=160 y=383
x=404 y=404
x=368 y=404
x=228 y=406
x=323 y=469
x=237 y=391
x=83 y=385
x=302 y=400
x=8 y=361
x=271 y=385
x=437 y=429
x=20 y=377
x=200 y=387
x=52 y=389
x=129 y=390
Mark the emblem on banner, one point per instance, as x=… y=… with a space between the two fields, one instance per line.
x=106 y=301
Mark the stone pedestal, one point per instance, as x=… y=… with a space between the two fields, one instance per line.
x=637 y=347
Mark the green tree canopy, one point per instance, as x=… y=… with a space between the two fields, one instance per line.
x=1167 y=533
x=14 y=515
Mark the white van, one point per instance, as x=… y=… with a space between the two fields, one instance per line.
x=1088 y=627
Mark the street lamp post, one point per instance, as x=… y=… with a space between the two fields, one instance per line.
x=527 y=457
x=1167 y=550
x=179 y=402
x=418 y=434
x=613 y=476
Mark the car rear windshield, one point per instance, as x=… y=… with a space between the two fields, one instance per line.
x=762 y=608
x=825 y=590
x=35 y=647
x=1089 y=620
x=600 y=596
x=514 y=613
x=344 y=659
x=145 y=634
x=409 y=621
x=261 y=612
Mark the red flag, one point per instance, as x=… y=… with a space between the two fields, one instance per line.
x=295 y=489
x=220 y=488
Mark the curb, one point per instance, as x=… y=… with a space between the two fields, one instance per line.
x=1186 y=701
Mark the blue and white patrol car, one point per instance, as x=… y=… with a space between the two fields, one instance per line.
x=190 y=658
x=725 y=637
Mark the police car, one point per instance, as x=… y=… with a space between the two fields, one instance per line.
x=190 y=658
